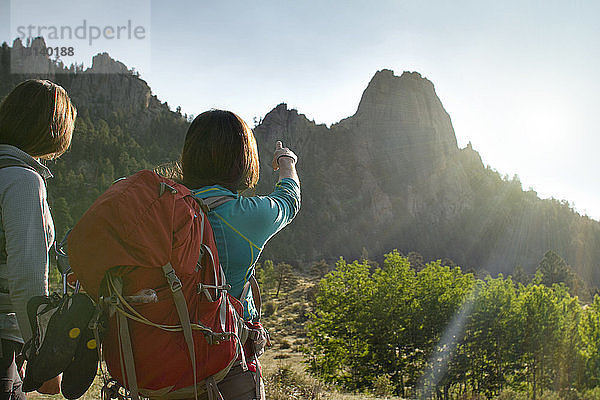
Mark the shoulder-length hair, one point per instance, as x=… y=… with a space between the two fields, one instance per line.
x=38 y=118
x=220 y=149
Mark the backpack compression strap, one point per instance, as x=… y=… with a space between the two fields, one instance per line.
x=212 y=389
x=120 y=304
x=127 y=361
x=184 y=316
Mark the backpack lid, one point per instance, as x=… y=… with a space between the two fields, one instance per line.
x=133 y=223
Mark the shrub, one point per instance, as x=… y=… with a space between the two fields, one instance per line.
x=286 y=384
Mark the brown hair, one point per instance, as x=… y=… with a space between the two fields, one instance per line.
x=38 y=118
x=220 y=149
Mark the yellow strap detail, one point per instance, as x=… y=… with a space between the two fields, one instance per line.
x=238 y=232
x=207 y=190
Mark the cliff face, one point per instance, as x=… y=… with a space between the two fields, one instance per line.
x=392 y=176
x=109 y=82
x=400 y=124
x=107 y=85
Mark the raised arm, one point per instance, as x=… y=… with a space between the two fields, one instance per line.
x=285 y=160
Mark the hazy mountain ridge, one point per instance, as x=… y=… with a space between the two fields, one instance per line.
x=389 y=176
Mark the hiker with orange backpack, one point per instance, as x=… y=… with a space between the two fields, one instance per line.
x=171 y=263
x=36 y=123
x=220 y=158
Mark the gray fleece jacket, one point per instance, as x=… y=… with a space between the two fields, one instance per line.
x=26 y=235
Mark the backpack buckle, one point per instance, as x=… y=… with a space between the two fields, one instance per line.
x=199 y=262
x=95 y=320
x=173 y=281
x=216 y=338
x=112 y=301
x=164 y=187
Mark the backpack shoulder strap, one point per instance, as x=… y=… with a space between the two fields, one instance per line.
x=210 y=203
x=253 y=283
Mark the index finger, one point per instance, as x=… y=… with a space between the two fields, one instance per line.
x=278 y=145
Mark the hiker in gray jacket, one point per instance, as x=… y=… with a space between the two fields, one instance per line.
x=36 y=123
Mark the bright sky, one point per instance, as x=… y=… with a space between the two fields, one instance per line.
x=519 y=79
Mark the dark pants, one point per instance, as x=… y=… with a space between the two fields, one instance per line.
x=10 y=381
x=237 y=385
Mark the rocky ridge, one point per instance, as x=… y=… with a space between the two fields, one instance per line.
x=391 y=176
x=108 y=84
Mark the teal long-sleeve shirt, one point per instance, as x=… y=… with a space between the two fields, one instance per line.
x=243 y=225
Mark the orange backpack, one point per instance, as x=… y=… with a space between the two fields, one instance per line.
x=146 y=249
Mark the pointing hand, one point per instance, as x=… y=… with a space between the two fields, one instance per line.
x=282 y=152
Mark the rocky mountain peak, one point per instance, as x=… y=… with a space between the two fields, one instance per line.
x=102 y=63
x=385 y=88
x=276 y=114
x=282 y=123
x=32 y=59
x=401 y=126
